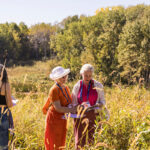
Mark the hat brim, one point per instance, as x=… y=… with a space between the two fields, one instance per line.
x=67 y=71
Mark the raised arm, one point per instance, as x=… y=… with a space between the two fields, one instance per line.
x=8 y=95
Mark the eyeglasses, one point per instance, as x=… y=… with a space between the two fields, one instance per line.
x=65 y=76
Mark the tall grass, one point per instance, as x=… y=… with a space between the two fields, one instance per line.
x=128 y=127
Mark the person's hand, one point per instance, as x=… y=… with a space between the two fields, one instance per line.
x=70 y=106
x=100 y=105
x=85 y=104
x=74 y=110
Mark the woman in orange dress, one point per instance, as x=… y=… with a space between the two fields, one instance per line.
x=58 y=100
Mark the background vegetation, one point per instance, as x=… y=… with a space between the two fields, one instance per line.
x=116 y=41
x=129 y=106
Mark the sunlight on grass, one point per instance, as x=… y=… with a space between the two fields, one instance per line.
x=128 y=127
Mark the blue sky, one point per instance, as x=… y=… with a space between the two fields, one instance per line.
x=51 y=11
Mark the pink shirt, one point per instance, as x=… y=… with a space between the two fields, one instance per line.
x=96 y=93
x=92 y=94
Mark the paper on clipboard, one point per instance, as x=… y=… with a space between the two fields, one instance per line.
x=71 y=116
x=85 y=105
x=88 y=107
x=14 y=101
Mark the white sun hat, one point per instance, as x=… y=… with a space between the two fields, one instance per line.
x=58 y=72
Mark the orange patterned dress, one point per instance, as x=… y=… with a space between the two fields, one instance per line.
x=55 y=131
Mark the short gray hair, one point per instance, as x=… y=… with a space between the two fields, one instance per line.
x=86 y=67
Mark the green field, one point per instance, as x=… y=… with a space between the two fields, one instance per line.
x=128 y=127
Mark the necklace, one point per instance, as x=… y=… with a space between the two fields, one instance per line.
x=67 y=97
x=88 y=92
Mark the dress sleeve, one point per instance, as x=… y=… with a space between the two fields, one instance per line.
x=53 y=96
x=75 y=93
x=100 y=91
x=46 y=106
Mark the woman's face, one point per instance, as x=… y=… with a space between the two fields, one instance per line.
x=62 y=80
x=87 y=76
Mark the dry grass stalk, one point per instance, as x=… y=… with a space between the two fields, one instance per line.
x=2 y=109
x=25 y=79
x=12 y=145
x=141 y=80
x=137 y=137
x=62 y=147
x=86 y=121
x=104 y=122
x=4 y=112
x=101 y=144
x=100 y=132
x=84 y=110
x=47 y=141
x=117 y=85
x=68 y=119
x=79 y=110
x=66 y=116
x=7 y=113
x=100 y=123
x=80 y=147
x=69 y=116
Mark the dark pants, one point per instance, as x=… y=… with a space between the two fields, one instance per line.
x=81 y=139
x=4 y=125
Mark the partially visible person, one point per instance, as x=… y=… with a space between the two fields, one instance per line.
x=85 y=91
x=57 y=104
x=5 y=104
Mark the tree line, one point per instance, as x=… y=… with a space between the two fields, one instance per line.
x=116 y=41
